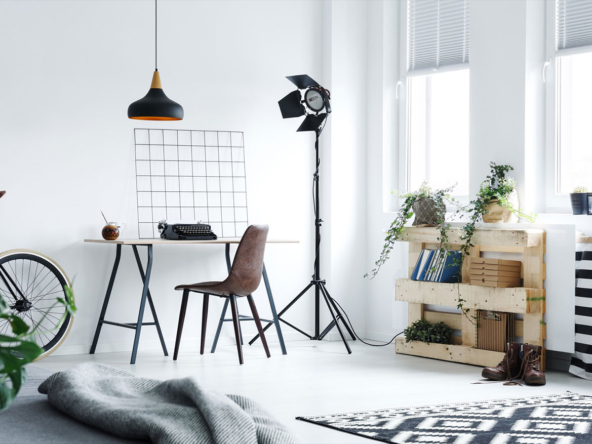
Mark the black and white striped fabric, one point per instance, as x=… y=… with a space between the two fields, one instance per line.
x=581 y=362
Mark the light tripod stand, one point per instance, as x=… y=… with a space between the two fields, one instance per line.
x=319 y=284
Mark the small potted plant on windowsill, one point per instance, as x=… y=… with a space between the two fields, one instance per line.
x=579 y=200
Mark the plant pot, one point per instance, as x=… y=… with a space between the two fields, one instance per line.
x=496 y=214
x=426 y=213
x=579 y=203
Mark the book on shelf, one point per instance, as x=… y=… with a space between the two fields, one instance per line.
x=437 y=266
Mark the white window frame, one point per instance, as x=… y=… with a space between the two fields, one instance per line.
x=404 y=114
x=555 y=202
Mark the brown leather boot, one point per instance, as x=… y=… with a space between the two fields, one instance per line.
x=509 y=367
x=533 y=375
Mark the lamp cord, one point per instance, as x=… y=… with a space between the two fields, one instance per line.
x=356 y=335
x=156 y=35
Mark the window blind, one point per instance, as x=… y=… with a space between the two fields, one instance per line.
x=437 y=33
x=573 y=23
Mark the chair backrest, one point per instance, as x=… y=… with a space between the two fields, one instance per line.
x=248 y=261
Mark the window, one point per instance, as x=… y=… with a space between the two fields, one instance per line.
x=437 y=107
x=572 y=95
x=574 y=122
x=438 y=135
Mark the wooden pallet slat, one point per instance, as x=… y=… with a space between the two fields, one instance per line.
x=511 y=300
x=449 y=352
x=499 y=237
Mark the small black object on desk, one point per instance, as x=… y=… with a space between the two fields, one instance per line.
x=185 y=231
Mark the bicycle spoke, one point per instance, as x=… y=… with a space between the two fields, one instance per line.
x=43 y=313
x=34 y=277
x=38 y=283
x=14 y=274
x=48 y=284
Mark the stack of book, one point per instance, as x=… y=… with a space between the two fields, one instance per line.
x=495 y=272
x=437 y=266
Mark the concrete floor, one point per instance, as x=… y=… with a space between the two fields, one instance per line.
x=319 y=378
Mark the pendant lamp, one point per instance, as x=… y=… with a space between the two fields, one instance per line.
x=155 y=105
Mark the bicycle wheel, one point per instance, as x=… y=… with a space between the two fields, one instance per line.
x=31 y=283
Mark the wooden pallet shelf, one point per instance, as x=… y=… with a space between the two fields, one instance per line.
x=528 y=300
x=449 y=352
x=511 y=300
x=501 y=237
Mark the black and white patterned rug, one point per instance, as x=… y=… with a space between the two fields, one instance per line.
x=552 y=419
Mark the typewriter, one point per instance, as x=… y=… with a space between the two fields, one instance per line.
x=182 y=231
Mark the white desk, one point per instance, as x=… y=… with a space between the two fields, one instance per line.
x=149 y=244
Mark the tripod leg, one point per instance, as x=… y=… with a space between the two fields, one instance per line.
x=335 y=319
x=283 y=311
x=327 y=330
x=339 y=314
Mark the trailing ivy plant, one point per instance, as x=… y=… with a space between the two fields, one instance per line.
x=17 y=348
x=428 y=332
x=496 y=186
x=440 y=197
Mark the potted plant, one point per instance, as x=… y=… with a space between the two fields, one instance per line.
x=500 y=197
x=579 y=200
x=425 y=331
x=18 y=348
x=429 y=208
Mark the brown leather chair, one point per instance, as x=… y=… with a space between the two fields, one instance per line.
x=2 y=193
x=243 y=280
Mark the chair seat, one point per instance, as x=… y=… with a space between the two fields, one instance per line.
x=215 y=288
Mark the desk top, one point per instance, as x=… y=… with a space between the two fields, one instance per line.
x=226 y=240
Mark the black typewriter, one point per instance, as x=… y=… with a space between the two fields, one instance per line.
x=197 y=231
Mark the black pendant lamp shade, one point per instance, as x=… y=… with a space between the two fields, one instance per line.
x=155 y=105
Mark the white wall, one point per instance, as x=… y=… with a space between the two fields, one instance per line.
x=384 y=316
x=347 y=223
x=70 y=70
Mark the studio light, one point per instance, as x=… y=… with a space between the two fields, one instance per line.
x=313 y=101
x=310 y=100
x=155 y=105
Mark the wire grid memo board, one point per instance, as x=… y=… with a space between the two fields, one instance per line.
x=191 y=176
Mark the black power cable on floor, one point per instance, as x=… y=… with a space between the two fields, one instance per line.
x=356 y=335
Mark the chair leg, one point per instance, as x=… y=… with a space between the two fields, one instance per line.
x=235 y=321
x=258 y=323
x=204 y=322
x=181 y=322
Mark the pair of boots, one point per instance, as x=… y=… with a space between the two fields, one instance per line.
x=526 y=368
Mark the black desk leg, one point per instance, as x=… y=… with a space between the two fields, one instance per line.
x=229 y=267
x=222 y=316
x=276 y=320
x=276 y=317
x=142 y=305
x=106 y=300
x=150 y=302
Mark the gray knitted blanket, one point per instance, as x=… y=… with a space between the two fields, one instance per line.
x=178 y=411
